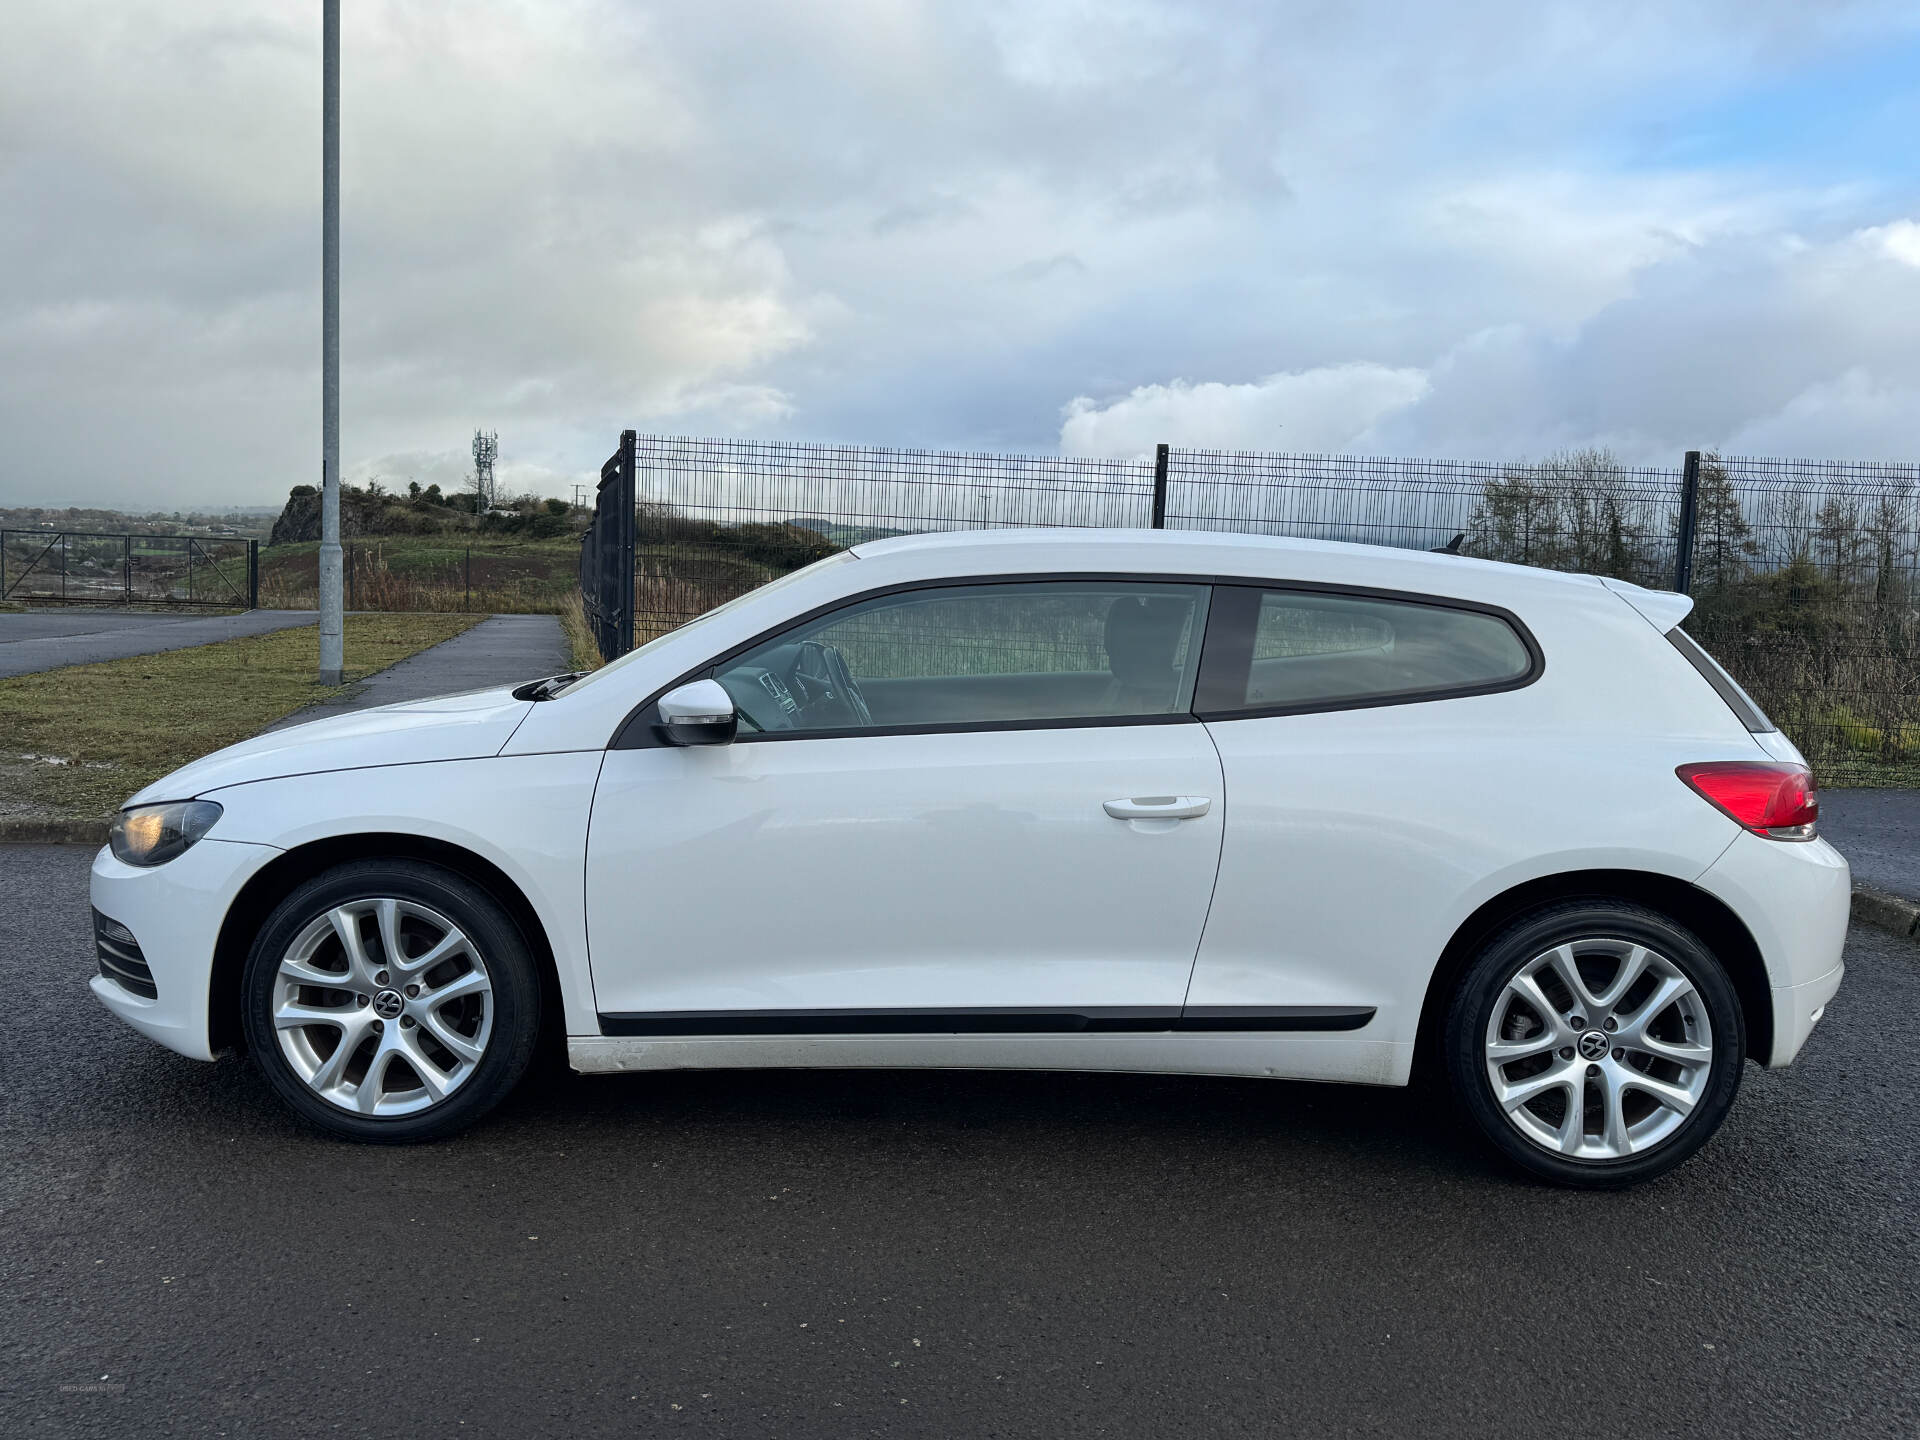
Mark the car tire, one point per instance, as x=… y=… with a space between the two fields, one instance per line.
x=437 y=1033
x=1621 y=1096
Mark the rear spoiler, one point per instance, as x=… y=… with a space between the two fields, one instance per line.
x=1662 y=609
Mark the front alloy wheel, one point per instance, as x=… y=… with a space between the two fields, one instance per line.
x=383 y=1006
x=1596 y=1043
x=391 y=1000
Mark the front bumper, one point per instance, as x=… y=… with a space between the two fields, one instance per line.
x=1794 y=898
x=175 y=912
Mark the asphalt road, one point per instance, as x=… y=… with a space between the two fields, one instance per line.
x=929 y=1255
x=47 y=639
x=1879 y=833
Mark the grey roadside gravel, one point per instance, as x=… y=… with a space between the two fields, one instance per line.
x=864 y=1253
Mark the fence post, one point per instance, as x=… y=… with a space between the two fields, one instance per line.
x=467 y=603
x=629 y=525
x=1689 y=502
x=1160 y=488
x=126 y=566
x=253 y=574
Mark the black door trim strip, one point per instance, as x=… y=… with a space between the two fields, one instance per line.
x=989 y=1020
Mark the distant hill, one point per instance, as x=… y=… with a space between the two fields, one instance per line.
x=369 y=511
x=247 y=523
x=843 y=535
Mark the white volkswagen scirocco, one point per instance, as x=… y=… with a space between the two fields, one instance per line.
x=1068 y=800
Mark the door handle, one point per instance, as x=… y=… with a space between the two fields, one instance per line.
x=1159 y=807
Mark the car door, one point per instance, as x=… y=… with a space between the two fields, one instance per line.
x=982 y=806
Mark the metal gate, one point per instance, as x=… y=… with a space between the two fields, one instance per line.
x=606 y=555
x=80 y=567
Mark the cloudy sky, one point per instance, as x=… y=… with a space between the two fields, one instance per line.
x=1481 y=230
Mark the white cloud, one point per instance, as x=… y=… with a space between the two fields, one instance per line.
x=1856 y=415
x=452 y=470
x=1080 y=45
x=1901 y=240
x=1329 y=409
x=1762 y=343
x=1566 y=243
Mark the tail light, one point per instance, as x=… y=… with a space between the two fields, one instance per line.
x=1778 y=801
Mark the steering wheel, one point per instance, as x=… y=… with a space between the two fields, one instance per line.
x=825 y=687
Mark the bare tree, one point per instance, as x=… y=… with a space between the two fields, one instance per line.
x=1577 y=510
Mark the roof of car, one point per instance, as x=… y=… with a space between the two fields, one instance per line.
x=1090 y=538
x=1277 y=556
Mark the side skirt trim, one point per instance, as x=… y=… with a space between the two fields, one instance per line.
x=989 y=1020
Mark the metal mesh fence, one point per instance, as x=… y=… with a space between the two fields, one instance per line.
x=1582 y=513
x=1804 y=572
x=719 y=517
x=1804 y=586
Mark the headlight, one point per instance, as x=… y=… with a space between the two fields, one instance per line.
x=155 y=834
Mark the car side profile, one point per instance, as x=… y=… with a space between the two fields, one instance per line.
x=1045 y=799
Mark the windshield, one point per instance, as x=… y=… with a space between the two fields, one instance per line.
x=632 y=655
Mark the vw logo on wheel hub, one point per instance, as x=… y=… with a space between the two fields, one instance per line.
x=388 y=1004
x=1594 y=1046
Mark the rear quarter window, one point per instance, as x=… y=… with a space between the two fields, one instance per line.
x=1283 y=650
x=1742 y=704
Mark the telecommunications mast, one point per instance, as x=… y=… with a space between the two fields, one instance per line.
x=486 y=449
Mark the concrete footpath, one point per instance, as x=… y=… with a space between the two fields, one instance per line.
x=500 y=650
x=38 y=640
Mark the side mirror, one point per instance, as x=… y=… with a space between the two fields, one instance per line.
x=697 y=713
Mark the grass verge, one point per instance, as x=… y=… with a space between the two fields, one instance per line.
x=416 y=572
x=573 y=619
x=79 y=740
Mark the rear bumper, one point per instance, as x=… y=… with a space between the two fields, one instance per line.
x=1796 y=1009
x=1794 y=899
x=175 y=912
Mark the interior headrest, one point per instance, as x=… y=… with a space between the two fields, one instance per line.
x=1142 y=636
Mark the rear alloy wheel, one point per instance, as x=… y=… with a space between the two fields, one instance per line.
x=1596 y=1044
x=391 y=1001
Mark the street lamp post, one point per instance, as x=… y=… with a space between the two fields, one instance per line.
x=331 y=619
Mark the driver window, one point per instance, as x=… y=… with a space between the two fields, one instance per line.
x=976 y=654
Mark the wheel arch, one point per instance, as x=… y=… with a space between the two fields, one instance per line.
x=1709 y=917
x=275 y=880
